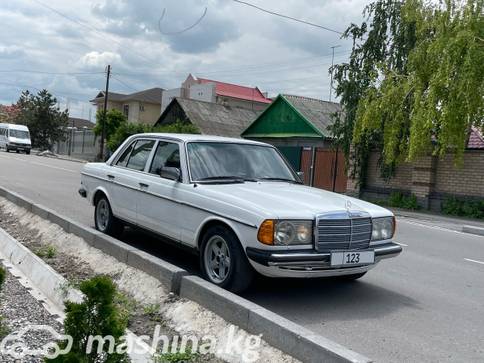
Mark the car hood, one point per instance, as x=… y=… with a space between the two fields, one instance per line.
x=285 y=200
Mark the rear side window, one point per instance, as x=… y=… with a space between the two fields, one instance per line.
x=123 y=160
x=167 y=155
x=140 y=154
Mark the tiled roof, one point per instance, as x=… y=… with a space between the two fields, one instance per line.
x=318 y=112
x=152 y=95
x=476 y=139
x=213 y=118
x=236 y=91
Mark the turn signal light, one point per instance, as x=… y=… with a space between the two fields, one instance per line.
x=266 y=232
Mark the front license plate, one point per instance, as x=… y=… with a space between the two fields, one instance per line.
x=352 y=258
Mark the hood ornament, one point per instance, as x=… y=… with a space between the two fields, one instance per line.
x=348 y=205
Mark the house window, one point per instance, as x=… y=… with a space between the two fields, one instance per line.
x=142 y=108
x=126 y=110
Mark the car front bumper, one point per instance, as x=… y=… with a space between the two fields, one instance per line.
x=19 y=147
x=311 y=263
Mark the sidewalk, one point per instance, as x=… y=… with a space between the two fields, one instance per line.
x=445 y=221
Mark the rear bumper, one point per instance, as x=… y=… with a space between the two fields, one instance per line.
x=310 y=263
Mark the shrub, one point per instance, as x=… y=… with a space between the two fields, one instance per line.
x=125 y=130
x=463 y=207
x=96 y=315
x=400 y=200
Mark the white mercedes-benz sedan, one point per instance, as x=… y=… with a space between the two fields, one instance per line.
x=239 y=205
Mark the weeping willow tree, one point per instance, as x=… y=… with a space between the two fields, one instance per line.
x=414 y=83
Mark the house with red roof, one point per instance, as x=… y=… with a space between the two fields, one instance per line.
x=223 y=93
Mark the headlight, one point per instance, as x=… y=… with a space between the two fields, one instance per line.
x=383 y=228
x=286 y=232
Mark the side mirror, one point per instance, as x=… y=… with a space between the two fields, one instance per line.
x=171 y=173
x=300 y=174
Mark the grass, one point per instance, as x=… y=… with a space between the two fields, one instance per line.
x=178 y=357
x=48 y=251
x=3 y=329
x=152 y=309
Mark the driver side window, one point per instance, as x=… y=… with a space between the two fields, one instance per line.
x=167 y=155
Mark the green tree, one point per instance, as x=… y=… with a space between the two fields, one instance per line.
x=114 y=120
x=42 y=116
x=97 y=315
x=414 y=81
x=126 y=130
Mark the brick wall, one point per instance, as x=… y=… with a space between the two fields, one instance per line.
x=467 y=180
x=399 y=182
x=429 y=178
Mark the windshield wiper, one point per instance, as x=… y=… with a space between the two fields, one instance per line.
x=227 y=178
x=281 y=179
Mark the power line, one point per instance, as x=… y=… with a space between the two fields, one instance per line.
x=287 y=16
x=113 y=76
x=49 y=73
x=90 y=27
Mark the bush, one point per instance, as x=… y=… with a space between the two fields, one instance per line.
x=97 y=315
x=463 y=208
x=400 y=200
x=125 y=130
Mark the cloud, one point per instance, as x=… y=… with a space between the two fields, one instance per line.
x=232 y=43
x=97 y=60
x=142 y=18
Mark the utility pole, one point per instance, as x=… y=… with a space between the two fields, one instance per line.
x=335 y=165
x=103 y=132
x=332 y=64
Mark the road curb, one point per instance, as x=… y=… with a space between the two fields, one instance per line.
x=473 y=230
x=278 y=331
x=55 y=287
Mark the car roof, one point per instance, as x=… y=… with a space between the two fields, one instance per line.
x=203 y=138
x=15 y=126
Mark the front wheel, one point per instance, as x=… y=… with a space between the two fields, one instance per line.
x=27 y=152
x=223 y=261
x=104 y=219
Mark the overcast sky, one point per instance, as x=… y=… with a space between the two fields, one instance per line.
x=232 y=43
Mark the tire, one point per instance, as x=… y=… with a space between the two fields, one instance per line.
x=27 y=152
x=17 y=151
x=104 y=219
x=238 y=275
x=352 y=277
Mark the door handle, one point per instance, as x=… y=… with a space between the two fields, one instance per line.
x=143 y=185
x=110 y=177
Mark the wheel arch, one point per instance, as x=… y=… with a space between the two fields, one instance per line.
x=215 y=221
x=100 y=191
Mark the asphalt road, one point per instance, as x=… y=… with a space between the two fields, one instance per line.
x=427 y=305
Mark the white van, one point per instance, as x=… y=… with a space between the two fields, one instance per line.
x=15 y=137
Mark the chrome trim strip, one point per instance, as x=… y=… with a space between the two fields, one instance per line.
x=174 y=201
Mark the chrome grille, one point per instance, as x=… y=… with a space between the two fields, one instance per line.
x=352 y=232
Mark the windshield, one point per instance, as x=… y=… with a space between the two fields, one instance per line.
x=19 y=134
x=215 y=160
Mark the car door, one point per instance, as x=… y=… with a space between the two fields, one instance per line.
x=158 y=205
x=126 y=175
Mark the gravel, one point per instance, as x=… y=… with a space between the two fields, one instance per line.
x=19 y=309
